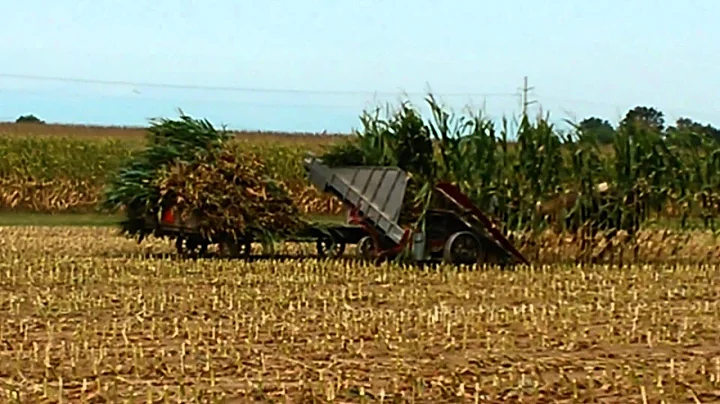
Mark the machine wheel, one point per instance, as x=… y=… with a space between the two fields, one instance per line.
x=463 y=247
x=329 y=247
x=366 y=248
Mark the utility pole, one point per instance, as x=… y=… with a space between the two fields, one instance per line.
x=526 y=102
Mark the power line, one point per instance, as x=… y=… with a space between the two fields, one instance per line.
x=139 y=96
x=522 y=95
x=238 y=89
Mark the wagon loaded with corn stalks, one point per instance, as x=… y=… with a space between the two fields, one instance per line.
x=193 y=186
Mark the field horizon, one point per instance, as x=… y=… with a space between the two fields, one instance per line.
x=126 y=131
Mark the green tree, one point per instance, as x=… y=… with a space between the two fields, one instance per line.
x=29 y=119
x=692 y=131
x=648 y=117
x=601 y=129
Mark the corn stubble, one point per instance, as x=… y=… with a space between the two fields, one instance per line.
x=85 y=318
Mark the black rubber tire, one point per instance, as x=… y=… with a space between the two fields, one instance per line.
x=365 y=248
x=469 y=242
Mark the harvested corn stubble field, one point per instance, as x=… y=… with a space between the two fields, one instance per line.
x=87 y=316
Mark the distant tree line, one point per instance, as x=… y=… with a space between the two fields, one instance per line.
x=599 y=128
x=29 y=119
x=651 y=118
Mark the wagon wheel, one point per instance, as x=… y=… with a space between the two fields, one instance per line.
x=190 y=246
x=463 y=248
x=235 y=249
x=366 y=248
x=198 y=245
x=330 y=247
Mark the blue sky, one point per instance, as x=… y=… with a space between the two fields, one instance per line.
x=583 y=58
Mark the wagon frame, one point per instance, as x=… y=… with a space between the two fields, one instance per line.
x=330 y=239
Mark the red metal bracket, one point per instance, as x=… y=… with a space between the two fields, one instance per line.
x=453 y=193
x=356 y=218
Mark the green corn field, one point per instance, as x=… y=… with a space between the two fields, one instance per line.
x=526 y=173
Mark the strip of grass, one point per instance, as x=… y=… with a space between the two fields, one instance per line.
x=95 y=220
x=59 y=219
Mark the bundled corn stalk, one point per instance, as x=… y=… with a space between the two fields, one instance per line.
x=229 y=193
x=192 y=167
